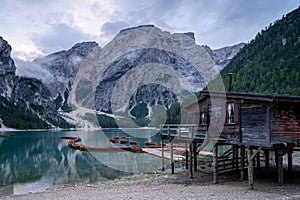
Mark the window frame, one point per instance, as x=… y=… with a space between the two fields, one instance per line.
x=235 y=113
x=204 y=120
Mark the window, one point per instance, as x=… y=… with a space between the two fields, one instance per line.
x=203 y=118
x=232 y=113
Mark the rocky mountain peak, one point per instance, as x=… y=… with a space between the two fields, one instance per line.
x=6 y=62
x=7 y=69
x=63 y=67
x=223 y=56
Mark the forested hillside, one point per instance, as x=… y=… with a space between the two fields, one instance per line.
x=270 y=63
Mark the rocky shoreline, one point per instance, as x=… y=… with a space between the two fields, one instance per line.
x=178 y=186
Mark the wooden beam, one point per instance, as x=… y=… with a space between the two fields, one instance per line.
x=215 y=164
x=280 y=169
x=250 y=168
x=195 y=156
x=267 y=162
x=258 y=160
x=256 y=152
x=186 y=156
x=290 y=161
x=191 y=161
x=242 y=154
x=162 y=155
x=236 y=158
x=172 y=158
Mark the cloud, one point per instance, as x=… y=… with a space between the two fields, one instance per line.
x=30 y=69
x=46 y=26
x=60 y=37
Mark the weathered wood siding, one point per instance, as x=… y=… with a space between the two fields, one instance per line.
x=193 y=114
x=255 y=124
x=285 y=129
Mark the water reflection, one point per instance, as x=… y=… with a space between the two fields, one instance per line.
x=34 y=161
x=44 y=158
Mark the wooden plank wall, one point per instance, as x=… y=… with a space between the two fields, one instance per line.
x=285 y=129
x=255 y=124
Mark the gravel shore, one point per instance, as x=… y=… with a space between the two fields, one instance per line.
x=178 y=186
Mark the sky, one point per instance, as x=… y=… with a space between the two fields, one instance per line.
x=35 y=28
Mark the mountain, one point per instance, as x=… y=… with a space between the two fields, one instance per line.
x=7 y=70
x=25 y=103
x=270 y=63
x=62 y=68
x=224 y=55
x=141 y=68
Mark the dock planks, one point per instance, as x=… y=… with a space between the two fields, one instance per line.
x=167 y=155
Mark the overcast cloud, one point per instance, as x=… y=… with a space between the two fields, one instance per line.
x=39 y=27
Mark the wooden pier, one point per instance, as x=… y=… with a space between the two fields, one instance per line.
x=158 y=152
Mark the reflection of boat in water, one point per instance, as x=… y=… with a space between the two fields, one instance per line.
x=7 y=135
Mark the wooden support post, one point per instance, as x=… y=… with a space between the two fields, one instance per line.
x=236 y=158
x=267 y=162
x=280 y=169
x=162 y=155
x=191 y=161
x=290 y=161
x=250 y=168
x=233 y=156
x=186 y=156
x=195 y=156
x=258 y=160
x=172 y=158
x=276 y=158
x=242 y=152
x=215 y=164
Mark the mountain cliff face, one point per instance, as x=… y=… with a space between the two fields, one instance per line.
x=140 y=68
x=144 y=67
x=7 y=70
x=63 y=67
x=24 y=99
x=223 y=56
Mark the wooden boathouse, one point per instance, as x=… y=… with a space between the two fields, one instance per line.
x=252 y=124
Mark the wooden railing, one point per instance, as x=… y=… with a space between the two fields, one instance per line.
x=181 y=132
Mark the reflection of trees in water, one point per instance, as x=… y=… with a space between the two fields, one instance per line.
x=32 y=155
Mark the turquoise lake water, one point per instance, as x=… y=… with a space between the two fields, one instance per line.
x=33 y=161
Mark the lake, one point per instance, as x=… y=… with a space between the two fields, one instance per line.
x=33 y=161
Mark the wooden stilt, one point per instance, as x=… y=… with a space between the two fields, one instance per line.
x=280 y=169
x=267 y=162
x=290 y=161
x=195 y=156
x=186 y=156
x=162 y=155
x=276 y=158
x=191 y=161
x=236 y=158
x=233 y=156
x=258 y=160
x=242 y=152
x=172 y=158
x=215 y=164
x=250 y=168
